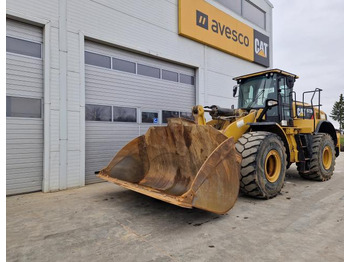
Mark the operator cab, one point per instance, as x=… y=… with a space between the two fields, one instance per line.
x=267 y=89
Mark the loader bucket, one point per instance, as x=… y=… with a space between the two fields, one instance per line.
x=183 y=163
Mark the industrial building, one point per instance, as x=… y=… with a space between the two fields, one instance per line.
x=84 y=77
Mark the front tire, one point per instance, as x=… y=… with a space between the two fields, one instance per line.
x=322 y=161
x=263 y=166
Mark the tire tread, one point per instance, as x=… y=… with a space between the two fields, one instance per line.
x=315 y=169
x=248 y=146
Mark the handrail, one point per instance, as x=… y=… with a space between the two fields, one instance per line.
x=312 y=104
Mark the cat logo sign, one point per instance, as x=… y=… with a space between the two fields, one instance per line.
x=261 y=48
x=202 y=22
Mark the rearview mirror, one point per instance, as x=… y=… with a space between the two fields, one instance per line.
x=271 y=102
x=235 y=90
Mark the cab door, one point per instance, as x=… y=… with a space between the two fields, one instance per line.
x=284 y=102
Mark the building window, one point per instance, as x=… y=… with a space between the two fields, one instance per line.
x=148 y=71
x=123 y=65
x=168 y=114
x=23 y=47
x=187 y=115
x=98 y=113
x=254 y=14
x=150 y=117
x=124 y=114
x=234 y=5
x=170 y=75
x=23 y=107
x=97 y=60
x=186 y=79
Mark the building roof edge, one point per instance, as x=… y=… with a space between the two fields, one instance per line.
x=269 y=3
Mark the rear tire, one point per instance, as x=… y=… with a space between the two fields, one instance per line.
x=263 y=166
x=322 y=161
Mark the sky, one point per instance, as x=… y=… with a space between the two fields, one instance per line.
x=308 y=40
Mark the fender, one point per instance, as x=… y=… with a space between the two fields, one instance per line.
x=327 y=127
x=272 y=127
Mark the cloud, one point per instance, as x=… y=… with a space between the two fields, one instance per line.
x=308 y=40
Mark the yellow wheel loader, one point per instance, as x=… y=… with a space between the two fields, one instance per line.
x=205 y=164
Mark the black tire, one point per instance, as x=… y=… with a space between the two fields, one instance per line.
x=318 y=171
x=255 y=148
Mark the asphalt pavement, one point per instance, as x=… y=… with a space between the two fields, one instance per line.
x=104 y=222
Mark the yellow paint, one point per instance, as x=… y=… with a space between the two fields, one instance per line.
x=327 y=157
x=289 y=130
x=261 y=53
x=266 y=72
x=223 y=40
x=240 y=127
x=290 y=133
x=292 y=144
x=199 y=115
x=273 y=165
x=338 y=140
x=305 y=125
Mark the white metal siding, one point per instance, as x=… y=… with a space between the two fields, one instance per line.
x=115 y=88
x=146 y=26
x=24 y=136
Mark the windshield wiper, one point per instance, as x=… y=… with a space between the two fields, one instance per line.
x=257 y=96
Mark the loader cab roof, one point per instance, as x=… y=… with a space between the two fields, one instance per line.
x=279 y=71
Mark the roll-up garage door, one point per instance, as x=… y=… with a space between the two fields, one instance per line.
x=24 y=110
x=126 y=93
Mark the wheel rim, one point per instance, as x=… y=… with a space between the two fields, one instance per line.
x=272 y=166
x=327 y=157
